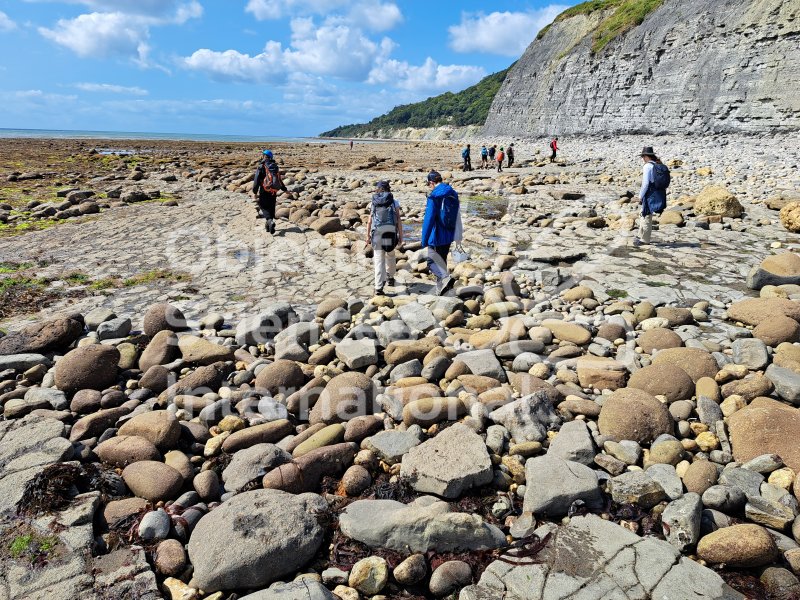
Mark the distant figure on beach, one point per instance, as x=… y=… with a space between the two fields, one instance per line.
x=655 y=181
x=492 y=152
x=351 y=144
x=384 y=233
x=442 y=216
x=467 y=158
x=266 y=185
x=553 y=148
x=501 y=156
x=510 y=153
x=484 y=157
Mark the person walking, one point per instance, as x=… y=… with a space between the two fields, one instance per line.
x=484 y=158
x=501 y=156
x=267 y=182
x=492 y=152
x=553 y=149
x=653 y=194
x=510 y=153
x=439 y=229
x=384 y=234
x=466 y=157
x=351 y=144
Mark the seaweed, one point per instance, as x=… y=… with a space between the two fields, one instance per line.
x=55 y=486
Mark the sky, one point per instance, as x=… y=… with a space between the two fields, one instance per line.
x=246 y=67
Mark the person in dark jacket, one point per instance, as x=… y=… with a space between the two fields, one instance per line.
x=437 y=235
x=266 y=185
x=510 y=155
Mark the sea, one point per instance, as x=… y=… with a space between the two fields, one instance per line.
x=146 y=135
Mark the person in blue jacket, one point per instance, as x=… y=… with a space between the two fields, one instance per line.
x=439 y=229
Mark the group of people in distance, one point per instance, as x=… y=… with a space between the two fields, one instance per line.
x=491 y=155
x=442 y=225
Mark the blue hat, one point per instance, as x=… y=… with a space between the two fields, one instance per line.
x=267 y=153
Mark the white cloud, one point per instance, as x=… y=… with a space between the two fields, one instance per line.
x=99 y=34
x=40 y=97
x=110 y=88
x=119 y=33
x=6 y=24
x=369 y=14
x=337 y=50
x=376 y=16
x=428 y=78
x=168 y=10
x=503 y=33
x=230 y=65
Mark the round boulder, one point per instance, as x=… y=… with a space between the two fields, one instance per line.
x=91 y=367
x=663 y=380
x=790 y=217
x=153 y=480
x=739 y=546
x=283 y=376
x=633 y=414
x=659 y=338
x=716 y=200
x=777 y=330
x=697 y=363
x=163 y=316
x=160 y=427
x=123 y=450
x=346 y=396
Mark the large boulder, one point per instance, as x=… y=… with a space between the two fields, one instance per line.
x=159 y=427
x=449 y=464
x=252 y=463
x=198 y=382
x=163 y=316
x=633 y=414
x=695 y=362
x=305 y=473
x=41 y=337
x=282 y=376
x=778 y=269
x=162 y=349
x=790 y=217
x=755 y=310
x=739 y=546
x=528 y=419
x=152 y=480
x=659 y=338
x=766 y=426
x=401 y=351
x=123 y=450
x=265 y=326
x=663 y=379
x=200 y=351
x=716 y=200
x=91 y=367
x=553 y=484
x=254 y=539
x=426 y=524
x=346 y=396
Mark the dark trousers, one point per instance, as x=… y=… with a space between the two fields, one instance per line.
x=553 y=156
x=468 y=164
x=510 y=161
x=437 y=260
x=266 y=202
x=499 y=165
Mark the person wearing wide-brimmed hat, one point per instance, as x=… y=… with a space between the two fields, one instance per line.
x=652 y=196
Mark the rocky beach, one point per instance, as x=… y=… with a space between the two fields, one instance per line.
x=195 y=409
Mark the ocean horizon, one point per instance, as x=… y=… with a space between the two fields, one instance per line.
x=7 y=133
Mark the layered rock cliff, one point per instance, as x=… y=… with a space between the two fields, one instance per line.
x=691 y=66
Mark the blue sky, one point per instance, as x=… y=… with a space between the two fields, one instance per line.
x=246 y=67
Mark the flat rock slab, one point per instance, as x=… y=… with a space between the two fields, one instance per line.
x=591 y=558
x=424 y=525
x=449 y=464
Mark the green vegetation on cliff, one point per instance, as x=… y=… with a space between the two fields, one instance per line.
x=468 y=107
x=627 y=15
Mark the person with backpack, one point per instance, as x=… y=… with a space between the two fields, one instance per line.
x=492 y=152
x=266 y=185
x=484 y=158
x=501 y=156
x=655 y=181
x=442 y=216
x=553 y=149
x=465 y=156
x=510 y=153
x=384 y=234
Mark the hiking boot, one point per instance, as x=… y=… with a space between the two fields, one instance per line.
x=637 y=242
x=445 y=285
x=259 y=214
x=272 y=226
x=379 y=292
x=390 y=282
